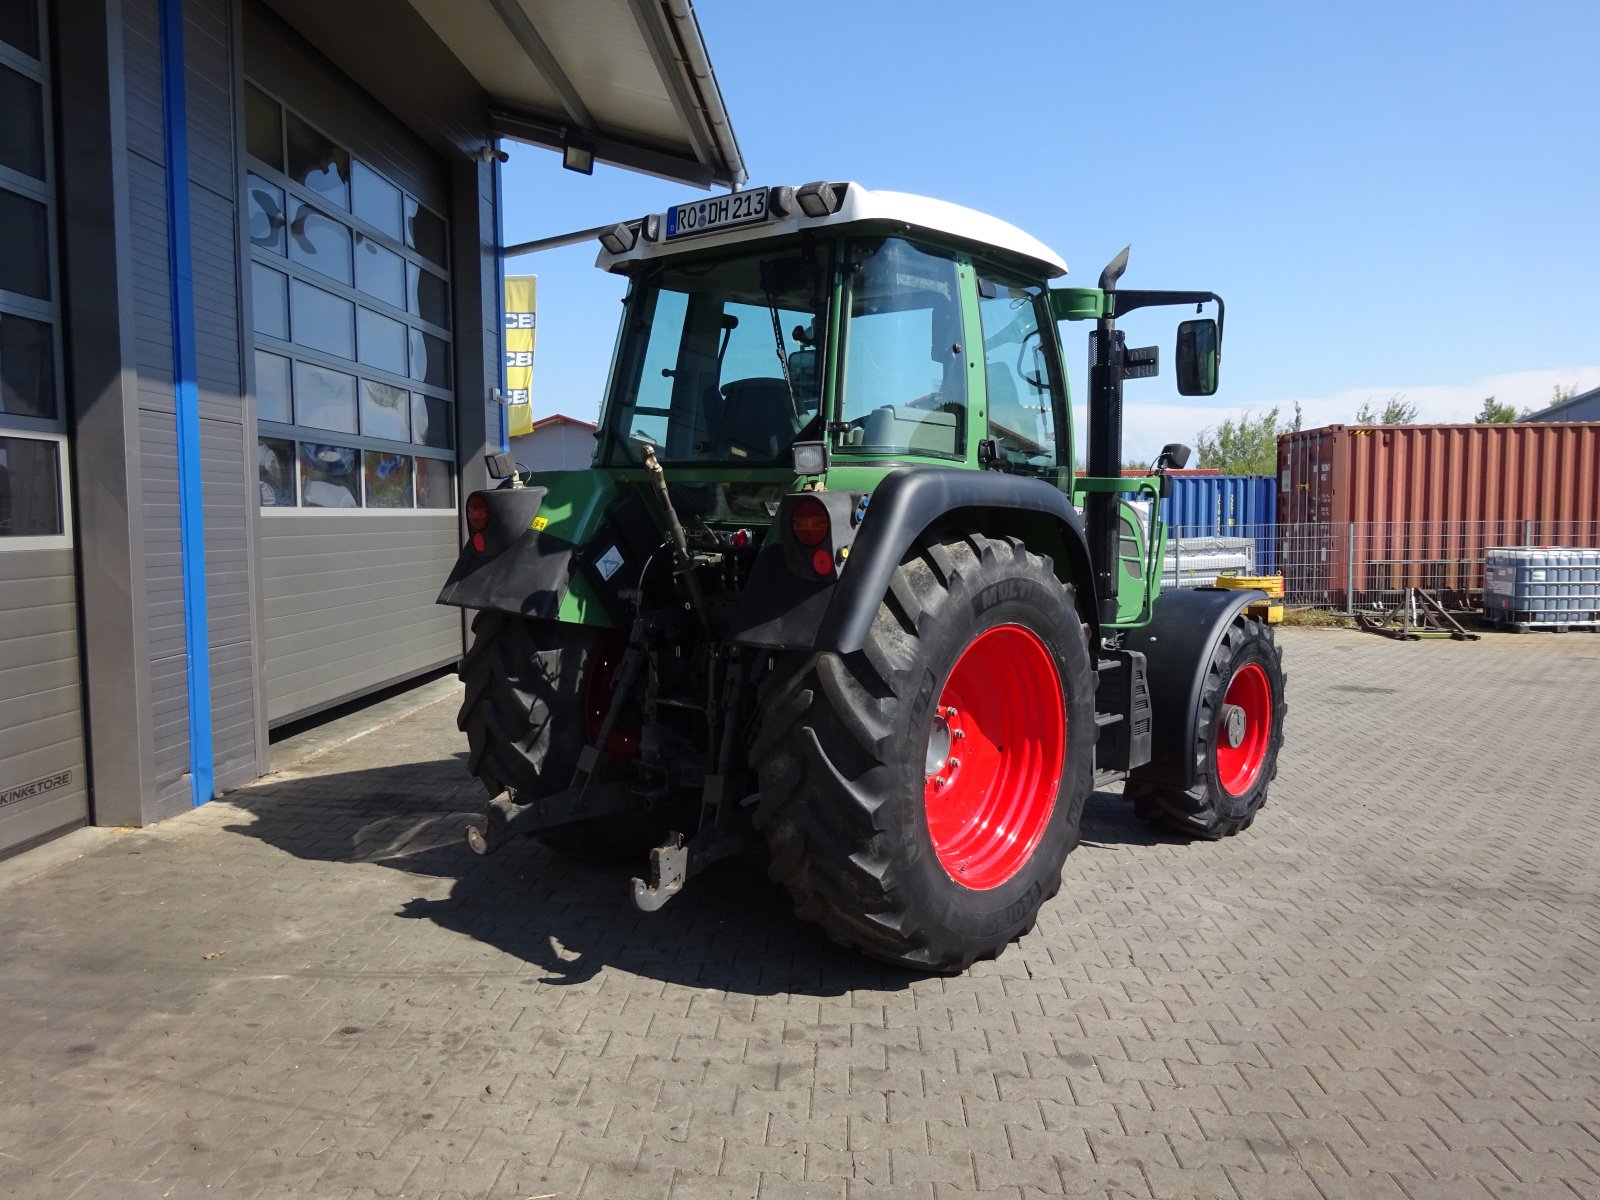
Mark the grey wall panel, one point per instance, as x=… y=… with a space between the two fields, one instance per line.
x=164 y=598
x=208 y=81
x=349 y=605
x=41 y=725
x=141 y=73
x=295 y=71
x=214 y=248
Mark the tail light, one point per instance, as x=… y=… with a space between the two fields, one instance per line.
x=809 y=523
x=477 y=512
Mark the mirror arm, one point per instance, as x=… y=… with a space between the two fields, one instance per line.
x=1127 y=301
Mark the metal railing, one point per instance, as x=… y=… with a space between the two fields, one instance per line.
x=1364 y=565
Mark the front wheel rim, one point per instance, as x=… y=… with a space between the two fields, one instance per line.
x=1244 y=729
x=989 y=798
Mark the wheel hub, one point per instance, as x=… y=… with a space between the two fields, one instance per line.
x=1233 y=724
x=938 y=746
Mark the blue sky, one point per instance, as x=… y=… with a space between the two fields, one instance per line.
x=1392 y=198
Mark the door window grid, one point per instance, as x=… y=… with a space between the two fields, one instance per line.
x=385 y=377
x=35 y=494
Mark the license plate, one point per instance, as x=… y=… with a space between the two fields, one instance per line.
x=719 y=212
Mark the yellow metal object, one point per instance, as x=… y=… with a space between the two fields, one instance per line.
x=539 y=523
x=1269 y=610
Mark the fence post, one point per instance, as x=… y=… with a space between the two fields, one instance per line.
x=1527 y=533
x=1350 y=570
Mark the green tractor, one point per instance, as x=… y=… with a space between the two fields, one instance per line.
x=831 y=586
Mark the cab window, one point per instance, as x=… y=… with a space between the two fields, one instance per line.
x=905 y=373
x=1017 y=367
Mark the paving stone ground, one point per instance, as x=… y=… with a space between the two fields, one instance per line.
x=1385 y=988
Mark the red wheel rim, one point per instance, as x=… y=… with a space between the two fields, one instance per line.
x=1245 y=729
x=995 y=748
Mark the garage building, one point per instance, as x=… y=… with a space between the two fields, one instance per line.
x=250 y=345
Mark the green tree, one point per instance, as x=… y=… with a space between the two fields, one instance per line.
x=1495 y=413
x=1398 y=411
x=1563 y=393
x=1247 y=445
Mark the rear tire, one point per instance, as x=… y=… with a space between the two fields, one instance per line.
x=867 y=843
x=526 y=713
x=1231 y=779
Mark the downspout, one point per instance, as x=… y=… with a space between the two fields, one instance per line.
x=500 y=306
x=186 y=401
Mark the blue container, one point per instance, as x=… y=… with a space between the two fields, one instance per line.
x=1226 y=506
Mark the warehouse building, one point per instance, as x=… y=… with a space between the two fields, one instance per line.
x=250 y=348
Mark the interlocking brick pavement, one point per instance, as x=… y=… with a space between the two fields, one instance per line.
x=1386 y=988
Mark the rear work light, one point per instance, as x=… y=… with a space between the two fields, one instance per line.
x=809 y=521
x=477 y=512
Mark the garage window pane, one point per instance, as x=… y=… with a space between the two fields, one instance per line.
x=425 y=232
x=27 y=368
x=388 y=479
x=430 y=359
x=324 y=321
x=273 y=395
x=430 y=421
x=328 y=476
x=377 y=201
x=317 y=163
x=19 y=25
x=24 y=246
x=323 y=398
x=30 y=488
x=382 y=342
x=428 y=296
x=379 y=272
x=384 y=411
x=434 y=487
x=317 y=241
x=275 y=467
x=269 y=301
x=22 y=132
x=263 y=127
x=267 y=219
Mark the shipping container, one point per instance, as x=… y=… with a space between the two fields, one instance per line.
x=1201 y=505
x=1371 y=510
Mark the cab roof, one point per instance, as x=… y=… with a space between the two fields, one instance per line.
x=858 y=206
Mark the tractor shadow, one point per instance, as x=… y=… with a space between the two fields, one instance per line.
x=730 y=929
x=1108 y=821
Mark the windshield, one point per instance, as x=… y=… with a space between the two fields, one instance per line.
x=719 y=358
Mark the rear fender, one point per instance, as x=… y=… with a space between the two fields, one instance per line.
x=786 y=611
x=1185 y=626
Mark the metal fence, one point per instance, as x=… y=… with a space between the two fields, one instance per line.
x=1364 y=566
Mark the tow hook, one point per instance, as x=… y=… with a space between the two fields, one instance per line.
x=669 y=867
x=496 y=829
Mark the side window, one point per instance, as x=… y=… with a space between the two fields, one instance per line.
x=1021 y=406
x=905 y=369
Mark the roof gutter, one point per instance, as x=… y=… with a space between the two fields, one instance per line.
x=692 y=46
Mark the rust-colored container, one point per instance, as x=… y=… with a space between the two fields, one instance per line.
x=1427 y=500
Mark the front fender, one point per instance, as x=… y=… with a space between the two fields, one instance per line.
x=1185 y=627
x=780 y=610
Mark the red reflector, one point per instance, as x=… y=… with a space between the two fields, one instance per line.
x=477 y=512
x=822 y=562
x=808 y=522
x=478 y=543
x=740 y=539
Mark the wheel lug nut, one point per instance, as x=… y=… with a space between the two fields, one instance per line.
x=954 y=763
x=951 y=712
x=958 y=734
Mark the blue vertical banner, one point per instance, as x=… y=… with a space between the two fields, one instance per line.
x=186 y=401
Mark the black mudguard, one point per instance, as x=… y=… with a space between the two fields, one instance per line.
x=527 y=572
x=782 y=610
x=1183 y=633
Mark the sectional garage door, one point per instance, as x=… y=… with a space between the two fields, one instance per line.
x=43 y=788
x=353 y=381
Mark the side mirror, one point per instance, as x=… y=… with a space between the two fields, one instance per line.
x=1197 y=357
x=1174 y=456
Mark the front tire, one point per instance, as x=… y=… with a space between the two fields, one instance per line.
x=920 y=796
x=1235 y=743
